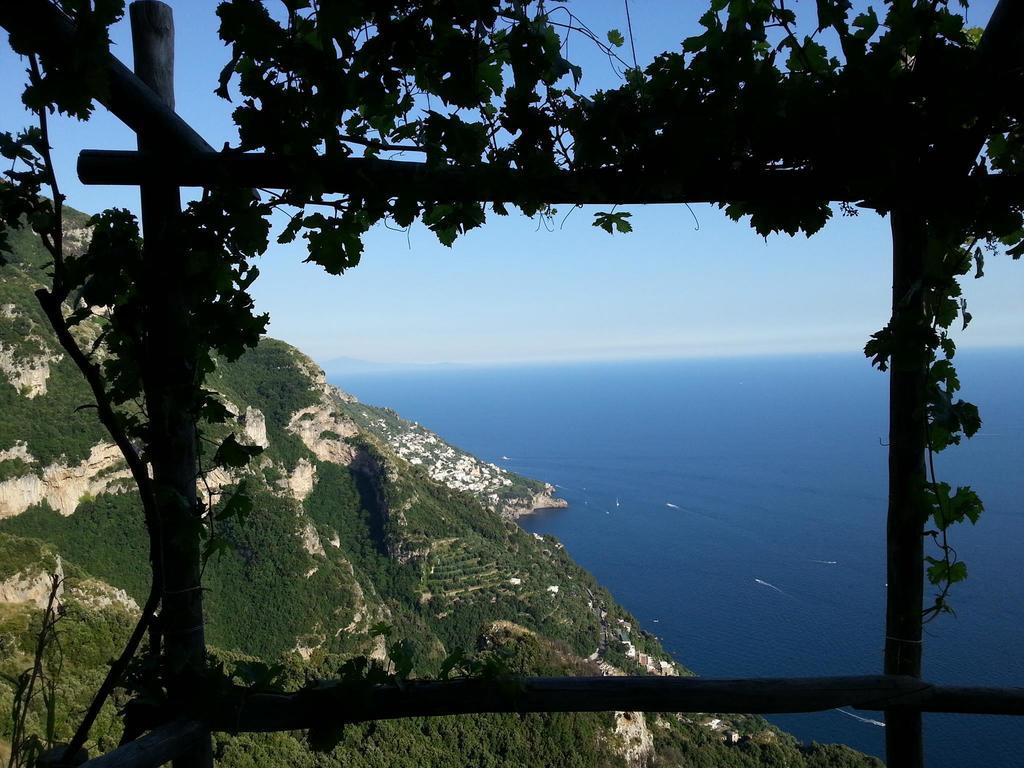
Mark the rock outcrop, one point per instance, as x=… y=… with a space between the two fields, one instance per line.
x=301 y=480
x=255 y=427
x=311 y=540
x=17 y=452
x=99 y=594
x=76 y=239
x=28 y=375
x=512 y=508
x=323 y=430
x=636 y=743
x=63 y=487
x=212 y=484
x=32 y=586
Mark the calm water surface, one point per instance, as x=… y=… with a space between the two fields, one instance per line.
x=737 y=508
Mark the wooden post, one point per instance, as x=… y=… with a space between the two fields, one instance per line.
x=169 y=377
x=907 y=443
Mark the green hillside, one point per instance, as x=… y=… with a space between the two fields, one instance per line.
x=351 y=528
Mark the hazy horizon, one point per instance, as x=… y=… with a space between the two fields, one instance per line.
x=343 y=364
x=686 y=282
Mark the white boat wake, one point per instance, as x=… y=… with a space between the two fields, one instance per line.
x=671 y=505
x=867 y=720
x=771 y=586
x=826 y=562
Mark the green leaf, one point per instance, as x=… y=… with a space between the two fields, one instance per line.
x=696 y=43
x=259 y=675
x=967 y=504
x=866 y=24
x=231 y=453
x=941 y=573
x=402 y=657
x=831 y=12
x=405 y=210
x=212 y=410
x=957 y=572
x=613 y=222
x=615 y=38
x=967 y=416
x=880 y=348
x=448 y=220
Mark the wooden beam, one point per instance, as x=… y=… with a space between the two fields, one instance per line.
x=168 y=370
x=159 y=746
x=1000 y=54
x=967 y=700
x=356 y=175
x=45 y=28
x=1002 y=43
x=326 y=706
x=256 y=712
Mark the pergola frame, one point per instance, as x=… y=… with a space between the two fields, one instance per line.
x=144 y=102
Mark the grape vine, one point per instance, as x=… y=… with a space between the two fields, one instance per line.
x=487 y=84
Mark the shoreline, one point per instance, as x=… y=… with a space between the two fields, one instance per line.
x=545 y=499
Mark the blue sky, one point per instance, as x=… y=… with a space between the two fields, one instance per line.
x=682 y=284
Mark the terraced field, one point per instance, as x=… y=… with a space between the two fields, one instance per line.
x=453 y=570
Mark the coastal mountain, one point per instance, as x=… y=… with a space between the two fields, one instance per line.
x=369 y=536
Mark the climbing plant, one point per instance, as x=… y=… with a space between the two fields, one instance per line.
x=896 y=87
x=99 y=308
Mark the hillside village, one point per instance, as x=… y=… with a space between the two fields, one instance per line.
x=510 y=494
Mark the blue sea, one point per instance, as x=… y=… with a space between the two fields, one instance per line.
x=737 y=508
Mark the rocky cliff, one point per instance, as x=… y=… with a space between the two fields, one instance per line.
x=326 y=429
x=60 y=486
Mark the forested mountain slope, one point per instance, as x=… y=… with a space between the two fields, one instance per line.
x=361 y=521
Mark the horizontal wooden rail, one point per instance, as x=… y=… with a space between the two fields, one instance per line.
x=343 y=704
x=968 y=700
x=159 y=746
x=357 y=175
x=42 y=27
x=266 y=712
